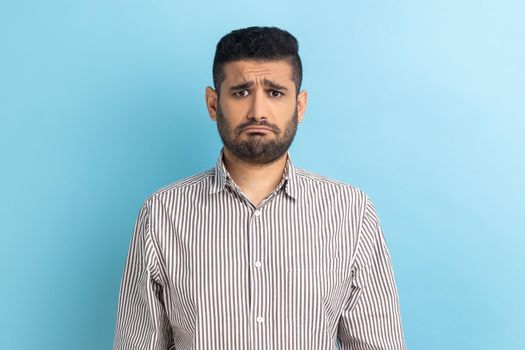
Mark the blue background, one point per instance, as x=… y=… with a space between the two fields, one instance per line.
x=419 y=103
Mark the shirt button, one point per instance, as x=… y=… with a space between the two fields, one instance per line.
x=258 y=264
x=257 y=213
x=260 y=319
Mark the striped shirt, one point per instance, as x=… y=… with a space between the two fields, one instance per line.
x=308 y=268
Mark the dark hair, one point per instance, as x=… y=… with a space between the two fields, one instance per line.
x=261 y=44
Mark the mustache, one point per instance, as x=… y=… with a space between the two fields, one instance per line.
x=274 y=128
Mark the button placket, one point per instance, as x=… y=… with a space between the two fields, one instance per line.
x=259 y=288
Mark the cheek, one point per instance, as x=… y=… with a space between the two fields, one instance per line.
x=234 y=109
x=284 y=111
x=288 y=109
x=285 y=105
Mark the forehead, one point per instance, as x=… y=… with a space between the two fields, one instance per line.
x=246 y=70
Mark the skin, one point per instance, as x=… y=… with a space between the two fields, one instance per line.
x=262 y=103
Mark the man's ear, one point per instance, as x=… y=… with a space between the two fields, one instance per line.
x=302 y=100
x=211 y=102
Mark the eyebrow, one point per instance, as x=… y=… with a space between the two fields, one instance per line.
x=248 y=84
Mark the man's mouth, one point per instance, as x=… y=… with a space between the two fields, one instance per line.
x=254 y=129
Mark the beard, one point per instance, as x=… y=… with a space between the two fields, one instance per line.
x=256 y=149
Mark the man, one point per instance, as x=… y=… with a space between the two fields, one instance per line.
x=255 y=253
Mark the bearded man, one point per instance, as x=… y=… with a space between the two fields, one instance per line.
x=256 y=253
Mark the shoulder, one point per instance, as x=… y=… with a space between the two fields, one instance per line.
x=196 y=183
x=320 y=183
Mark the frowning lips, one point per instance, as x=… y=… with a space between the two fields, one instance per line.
x=262 y=127
x=258 y=128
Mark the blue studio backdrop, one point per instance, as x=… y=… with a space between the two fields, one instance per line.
x=418 y=103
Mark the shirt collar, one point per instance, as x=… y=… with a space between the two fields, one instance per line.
x=221 y=176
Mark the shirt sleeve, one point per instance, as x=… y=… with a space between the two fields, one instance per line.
x=141 y=316
x=371 y=318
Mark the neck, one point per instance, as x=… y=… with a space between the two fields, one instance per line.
x=256 y=181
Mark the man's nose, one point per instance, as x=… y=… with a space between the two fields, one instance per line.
x=259 y=105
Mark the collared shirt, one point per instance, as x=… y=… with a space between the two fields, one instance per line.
x=308 y=268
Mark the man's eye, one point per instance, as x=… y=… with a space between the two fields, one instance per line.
x=242 y=93
x=275 y=93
